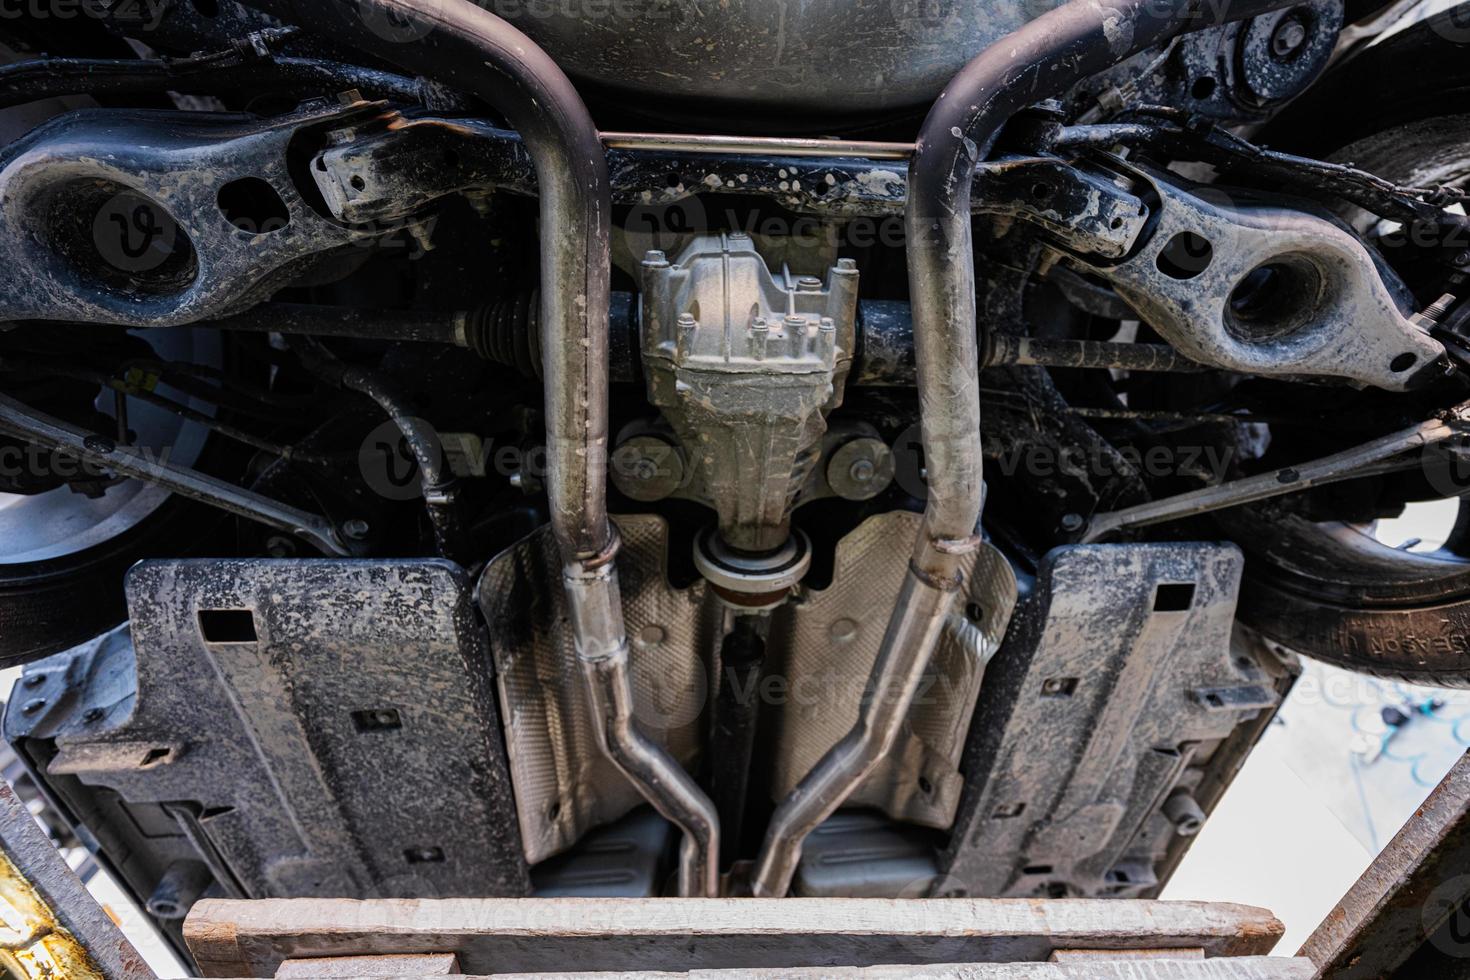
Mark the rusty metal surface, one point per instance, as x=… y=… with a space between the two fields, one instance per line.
x=53 y=929
x=820 y=649
x=1406 y=916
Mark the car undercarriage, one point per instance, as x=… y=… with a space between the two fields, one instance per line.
x=629 y=449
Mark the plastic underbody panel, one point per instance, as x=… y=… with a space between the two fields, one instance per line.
x=333 y=728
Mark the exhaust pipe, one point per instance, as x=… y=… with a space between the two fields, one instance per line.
x=469 y=48
x=1039 y=61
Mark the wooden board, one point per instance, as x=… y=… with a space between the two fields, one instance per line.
x=251 y=938
x=364 y=967
x=43 y=896
x=1403 y=918
x=1240 y=968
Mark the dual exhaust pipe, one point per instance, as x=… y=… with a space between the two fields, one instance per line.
x=469 y=48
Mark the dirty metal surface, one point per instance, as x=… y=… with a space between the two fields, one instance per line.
x=735 y=58
x=364 y=178
x=1407 y=916
x=1117 y=690
x=829 y=642
x=1328 y=309
x=819 y=652
x=564 y=785
x=747 y=379
x=301 y=728
x=52 y=927
x=116 y=216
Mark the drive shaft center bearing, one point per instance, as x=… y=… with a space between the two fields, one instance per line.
x=747 y=580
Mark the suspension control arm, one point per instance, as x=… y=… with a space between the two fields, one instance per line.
x=58 y=436
x=1346 y=465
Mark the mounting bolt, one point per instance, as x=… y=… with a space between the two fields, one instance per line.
x=1288 y=38
x=647 y=468
x=860 y=469
x=1072 y=522
x=99 y=444
x=760 y=336
x=1462 y=260
x=654 y=257
x=809 y=284
x=356 y=529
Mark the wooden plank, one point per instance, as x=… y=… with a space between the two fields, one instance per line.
x=1088 y=955
x=357 y=967
x=1240 y=968
x=42 y=896
x=529 y=935
x=1402 y=917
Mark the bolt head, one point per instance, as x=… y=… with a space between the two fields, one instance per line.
x=1288 y=38
x=1072 y=522
x=99 y=444
x=862 y=470
x=356 y=529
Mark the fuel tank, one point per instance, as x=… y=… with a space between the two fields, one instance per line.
x=745 y=58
